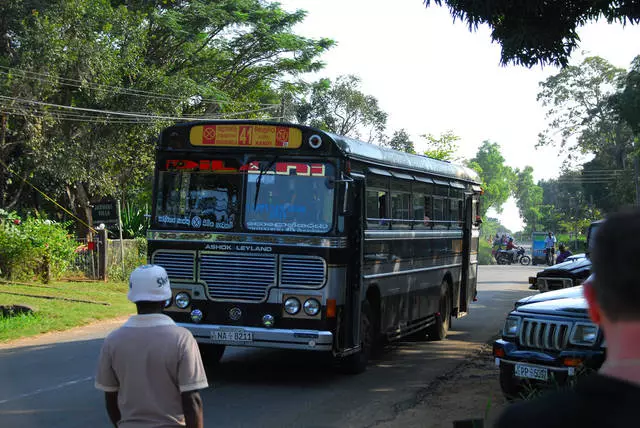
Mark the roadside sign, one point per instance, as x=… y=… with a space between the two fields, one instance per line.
x=104 y=211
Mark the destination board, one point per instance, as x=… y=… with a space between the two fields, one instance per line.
x=254 y=136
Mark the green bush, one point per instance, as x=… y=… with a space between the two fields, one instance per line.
x=134 y=256
x=34 y=248
x=484 y=253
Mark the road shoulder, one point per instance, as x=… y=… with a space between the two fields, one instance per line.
x=94 y=330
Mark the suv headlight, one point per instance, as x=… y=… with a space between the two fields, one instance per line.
x=511 y=327
x=584 y=334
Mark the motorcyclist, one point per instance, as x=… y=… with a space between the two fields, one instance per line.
x=512 y=249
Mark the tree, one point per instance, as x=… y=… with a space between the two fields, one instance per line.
x=342 y=108
x=528 y=198
x=443 y=147
x=497 y=178
x=580 y=111
x=401 y=141
x=627 y=102
x=537 y=31
x=148 y=59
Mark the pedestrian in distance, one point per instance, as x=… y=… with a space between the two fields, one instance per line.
x=563 y=253
x=150 y=369
x=610 y=397
x=549 y=247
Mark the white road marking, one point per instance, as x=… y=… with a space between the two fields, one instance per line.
x=49 y=389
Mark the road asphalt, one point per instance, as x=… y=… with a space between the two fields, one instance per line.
x=48 y=381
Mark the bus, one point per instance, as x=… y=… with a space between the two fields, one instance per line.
x=278 y=235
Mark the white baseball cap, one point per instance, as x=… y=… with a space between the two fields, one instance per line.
x=149 y=283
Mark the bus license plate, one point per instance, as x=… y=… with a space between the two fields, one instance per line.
x=232 y=336
x=530 y=372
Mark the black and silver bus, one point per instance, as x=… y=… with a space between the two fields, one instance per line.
x=284 y=236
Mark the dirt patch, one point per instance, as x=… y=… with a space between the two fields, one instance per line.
x=472 y=392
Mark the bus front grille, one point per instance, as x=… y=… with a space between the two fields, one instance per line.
x=238 y=277
x=178 y=264
x=302 y=271
x=544 y=334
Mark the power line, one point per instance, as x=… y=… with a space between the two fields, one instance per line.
x=125 y=91
x=130 y=114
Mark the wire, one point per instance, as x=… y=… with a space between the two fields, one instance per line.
x=129 y=114
x=125 y=91
x=47 y=197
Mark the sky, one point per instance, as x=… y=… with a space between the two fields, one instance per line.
x=432 y=75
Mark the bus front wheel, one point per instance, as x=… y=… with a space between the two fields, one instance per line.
x=357 y=363
x=439 y=330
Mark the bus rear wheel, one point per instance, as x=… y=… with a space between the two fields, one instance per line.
x=357 y=363
x=439 y=330
x=211 y=353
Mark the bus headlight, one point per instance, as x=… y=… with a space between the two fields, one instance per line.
x=167 y=303
x=182 y=300
x=311 y=307
x=292 y=306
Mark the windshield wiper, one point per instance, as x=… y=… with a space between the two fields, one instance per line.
x=259 y=180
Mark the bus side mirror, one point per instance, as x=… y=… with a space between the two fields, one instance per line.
x=346 y=204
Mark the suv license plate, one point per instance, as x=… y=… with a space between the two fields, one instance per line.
x=232 y=336
x=531 y=372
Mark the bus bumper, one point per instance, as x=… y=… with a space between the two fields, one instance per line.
x=257 y=337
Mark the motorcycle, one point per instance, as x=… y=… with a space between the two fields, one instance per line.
x=504 y=257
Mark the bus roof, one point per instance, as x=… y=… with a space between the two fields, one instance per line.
x=366 y=152
x=382 y=156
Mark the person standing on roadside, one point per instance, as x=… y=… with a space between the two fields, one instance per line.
x=549 y=247
x=150 y=369
x=609 y=398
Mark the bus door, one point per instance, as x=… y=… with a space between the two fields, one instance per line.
x=354 y=225
x=466 y=284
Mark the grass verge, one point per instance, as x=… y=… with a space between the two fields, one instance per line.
x=52 y=313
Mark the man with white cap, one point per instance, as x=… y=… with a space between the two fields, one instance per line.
x=150 y=369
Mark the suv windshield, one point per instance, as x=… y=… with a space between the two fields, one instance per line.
x=289 y=197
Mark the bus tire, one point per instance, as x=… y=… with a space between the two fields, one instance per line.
x=357 y=363
x=211 y=353
x=439 y=330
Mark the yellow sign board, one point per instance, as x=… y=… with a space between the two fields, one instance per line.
x=267 y=136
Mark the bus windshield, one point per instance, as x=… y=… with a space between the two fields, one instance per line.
x=189 y=199
x=281 y=196
x=289 y=197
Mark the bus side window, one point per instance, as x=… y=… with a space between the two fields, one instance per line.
x=439 y=213
x=428 y=211
x=377 y=209
x=400 y=204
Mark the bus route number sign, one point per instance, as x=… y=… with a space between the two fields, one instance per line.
x=266 y=136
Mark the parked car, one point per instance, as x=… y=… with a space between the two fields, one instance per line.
x=547 y=339
x=569 y=273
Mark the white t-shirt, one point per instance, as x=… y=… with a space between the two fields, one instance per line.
x=150 y=361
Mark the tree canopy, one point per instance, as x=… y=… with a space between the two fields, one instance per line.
x=342 y=108
x=497 y=178
x=87 y=84
x=538 y=31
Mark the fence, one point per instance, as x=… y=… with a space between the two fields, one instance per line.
x=101 y=258
x=87 y=259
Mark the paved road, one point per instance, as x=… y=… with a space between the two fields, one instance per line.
x=50 y=384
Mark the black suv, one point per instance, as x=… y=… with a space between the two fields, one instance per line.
x=567 y=274
x=548 y=338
